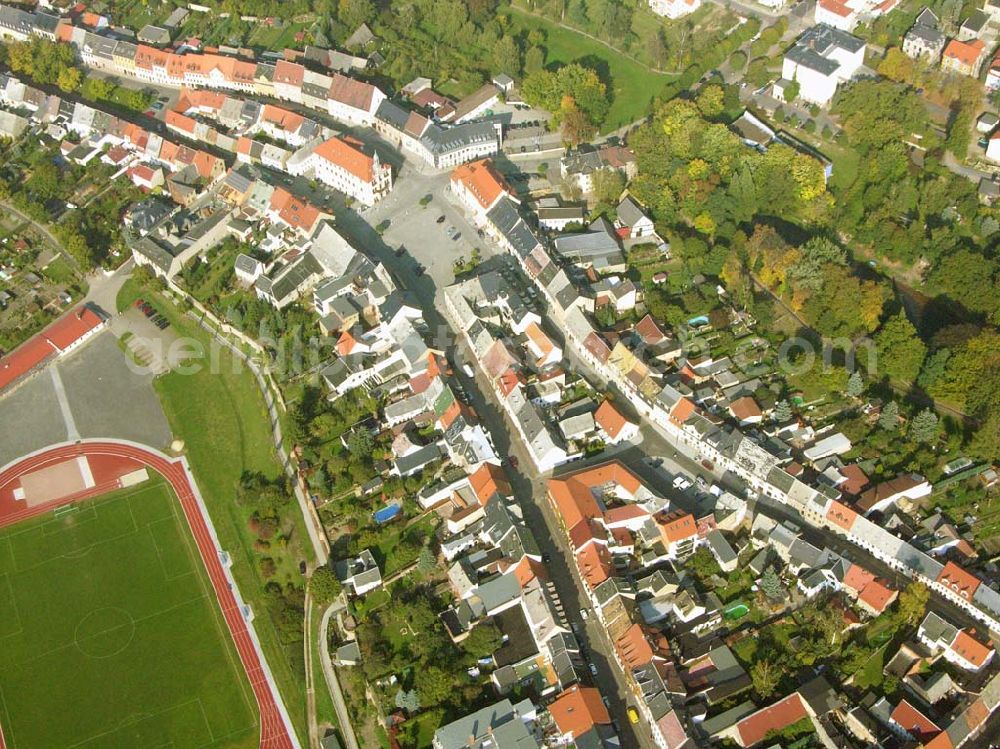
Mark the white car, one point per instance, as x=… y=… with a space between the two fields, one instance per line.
x=584 y=614
x=593 y=669
x=682 y=483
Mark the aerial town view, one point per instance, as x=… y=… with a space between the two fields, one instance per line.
x=499 y=374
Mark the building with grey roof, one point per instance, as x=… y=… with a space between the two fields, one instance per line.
x=820 y=60
x=502 y=725
x=924 y=39
x=598 y=246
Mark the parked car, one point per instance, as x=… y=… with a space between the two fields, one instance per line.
x=633 y=715
x=440 y=219
x=593 y=669
x=457 y=236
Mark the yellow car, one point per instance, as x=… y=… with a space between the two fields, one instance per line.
x=633 y=716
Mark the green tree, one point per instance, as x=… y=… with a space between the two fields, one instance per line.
x=782 y=411
x=324 y=585
x=608 y=185
x=534 y=60
x=855 y=384
x=889 y=418
x=483 y=639
x=407 y=700
x=924 y=426
x=765 y=676
x=434 y=685
x=507 y=56
x=792 y=90
x=353 y=13
x=985 y=443
x=913 y=603
x=361 y=443
x=900 y=350
x=770 y=584
x=69 y=79
x=710 y=101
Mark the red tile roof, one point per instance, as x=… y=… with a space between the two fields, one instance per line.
x=914 y=722
x=841 y=515
x=958 y=580
x=745 y=408
x=634 y=648
x=967 y=53
x=755 y=727
x=971 y=649
x=347 y=157
x=578 y=709
x=482 y=181
x=294 y=212
x=836 y=7
x=677 y=526
x=857 y=479
x=56 y=338
x=351 y=92
x=594 y=563
x=585 y=532
x=610 y=419
x=287 y=120
x=487 y=480
x=573 y=494
x=649 y=330
x=289 y=73
x=624 y=513
x=682 y=410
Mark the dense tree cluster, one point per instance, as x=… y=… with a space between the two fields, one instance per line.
x=574 y=94
x=701 y=176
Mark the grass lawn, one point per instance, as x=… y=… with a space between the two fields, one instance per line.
x=325 y=711
x=222 y=419
x=271 y=38
x=632 y=86
x=111 y=636
x=870 y=675
x=59 y=271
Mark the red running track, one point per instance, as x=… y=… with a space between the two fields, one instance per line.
x=274 y=734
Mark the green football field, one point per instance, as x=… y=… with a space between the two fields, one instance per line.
x=110 y=635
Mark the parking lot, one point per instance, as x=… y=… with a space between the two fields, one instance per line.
x=103 y=395
x=419 y=230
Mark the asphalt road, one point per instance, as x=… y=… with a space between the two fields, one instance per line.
x=529 y=489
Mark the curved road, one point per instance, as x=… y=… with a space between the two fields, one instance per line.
x=276 y=731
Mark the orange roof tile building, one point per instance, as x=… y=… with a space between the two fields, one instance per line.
x=479 y=186
x=613 y=424
x=577 y=711
x=755 y=727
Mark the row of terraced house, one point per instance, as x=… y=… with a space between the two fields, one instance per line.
x=347 y=100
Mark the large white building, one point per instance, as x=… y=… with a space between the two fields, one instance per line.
x=674 y=8
x=847 y=14
x=820 y=60
x=346 y=168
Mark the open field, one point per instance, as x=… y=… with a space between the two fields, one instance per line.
x=110 y=635
x=633 y=86
x=222 y=419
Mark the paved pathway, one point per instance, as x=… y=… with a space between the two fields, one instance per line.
x=343 y=716
x=72 y=433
